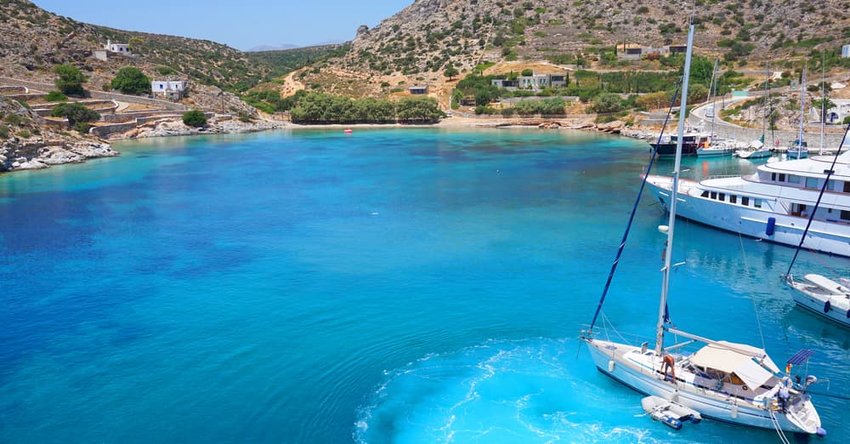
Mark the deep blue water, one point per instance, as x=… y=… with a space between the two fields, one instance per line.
x=390 y=286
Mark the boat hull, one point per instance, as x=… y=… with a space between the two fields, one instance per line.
x=669 y=149
x=825 y=237
x=702 y=152
x=735 y=412
x=815 y=305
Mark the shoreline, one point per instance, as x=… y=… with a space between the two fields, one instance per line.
x=101 y=148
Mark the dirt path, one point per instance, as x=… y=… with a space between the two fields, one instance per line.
x=291 y=85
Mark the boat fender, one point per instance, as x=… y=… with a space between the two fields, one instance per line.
x=610 y=366
x=821 y=432
x=848 y=314
x=771 y=226
x=827 y=307
x=671 y=422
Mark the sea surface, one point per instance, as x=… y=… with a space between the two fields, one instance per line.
x=389 y=286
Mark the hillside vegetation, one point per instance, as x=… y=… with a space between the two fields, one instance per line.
x=283 y=61
x=35 y=40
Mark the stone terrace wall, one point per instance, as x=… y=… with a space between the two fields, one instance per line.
x=6 y=90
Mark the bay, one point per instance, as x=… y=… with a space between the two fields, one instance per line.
x=403 y=285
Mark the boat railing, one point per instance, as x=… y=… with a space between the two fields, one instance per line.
x=722 y=176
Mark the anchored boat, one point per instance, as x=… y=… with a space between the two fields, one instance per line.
x=732 y=382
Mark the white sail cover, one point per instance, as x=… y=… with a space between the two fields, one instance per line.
x=730 y=357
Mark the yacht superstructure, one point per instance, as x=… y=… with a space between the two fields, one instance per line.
x=773 y=204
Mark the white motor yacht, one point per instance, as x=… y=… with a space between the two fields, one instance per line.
x=773 y=204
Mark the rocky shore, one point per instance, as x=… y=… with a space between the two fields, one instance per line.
x=168 y=128
x=17 y=154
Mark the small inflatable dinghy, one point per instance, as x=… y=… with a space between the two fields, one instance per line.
x=668 y=412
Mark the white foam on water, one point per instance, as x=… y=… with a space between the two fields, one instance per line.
x=532 y=391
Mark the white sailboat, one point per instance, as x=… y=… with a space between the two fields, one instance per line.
x=823 y=297
x=716 y=147
x=798 y=149
x=736 y=383
x=757 y=149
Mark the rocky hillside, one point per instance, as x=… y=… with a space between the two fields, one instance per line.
x=27 y=143
x=428 y=34
x=35 y=40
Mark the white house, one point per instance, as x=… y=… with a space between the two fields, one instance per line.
x=836 y=114
x=845 y=51
x=169 y=89
x=120 y=48
x=540 y=81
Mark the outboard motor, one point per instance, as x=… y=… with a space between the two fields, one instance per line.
x=810 y=380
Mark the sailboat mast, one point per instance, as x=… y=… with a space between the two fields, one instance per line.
x=671 y=224
x=713 y=97
x=767 y=110
x=802 y=110
x=822 y=99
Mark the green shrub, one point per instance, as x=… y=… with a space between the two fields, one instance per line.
x=195 y=118
x=14 y=119
x=551 y=106
x=4 y=132
x=130 y=80
x=606 y=103
x=245 y=117
x=70 y=80
x=24 y=134
x=846 y=120
x=165 y=70
x=82 y=127
x=75 y=113
x=527 y=72
x=56 y=96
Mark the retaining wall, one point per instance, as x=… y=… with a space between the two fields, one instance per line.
x=105 y=130
x=784 y=138
x=7 y=90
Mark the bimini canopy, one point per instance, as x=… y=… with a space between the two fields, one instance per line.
x=729 y=357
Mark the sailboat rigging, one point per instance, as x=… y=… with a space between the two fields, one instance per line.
x=732 y=382
x=815 y=292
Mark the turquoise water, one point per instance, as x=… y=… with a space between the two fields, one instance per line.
x=389 y=286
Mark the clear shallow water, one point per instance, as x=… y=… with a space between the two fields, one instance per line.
x=390 y=286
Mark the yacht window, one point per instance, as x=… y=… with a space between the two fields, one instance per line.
x=757 y=203
x=723 y=197
x=745 y=201
x=793 y=179
x=847 y=187
x=733 y=198
x=782 y=177
x=773 y=177
x=714 y=195
x=845 y=215
x=811 y=182
x=830 y=186
x=704 y=193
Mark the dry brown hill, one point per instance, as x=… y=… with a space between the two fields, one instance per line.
x=429 y=33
